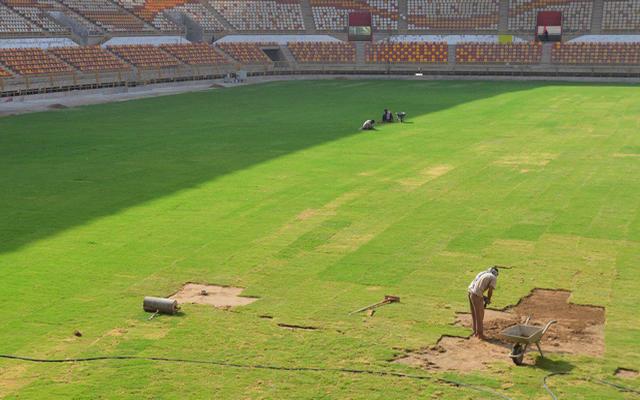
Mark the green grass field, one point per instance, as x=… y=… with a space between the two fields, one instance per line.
x=273 y=188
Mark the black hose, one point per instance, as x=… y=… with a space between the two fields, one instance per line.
x=615 y=385
x=587 y=379
x=258 y=366
x=544 y=383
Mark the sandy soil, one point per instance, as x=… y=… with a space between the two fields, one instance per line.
x=217 y=296
x=579 y=330
x=627 y=373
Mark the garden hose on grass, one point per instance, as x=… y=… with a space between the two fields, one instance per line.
x=259 y=366
x=314 y=369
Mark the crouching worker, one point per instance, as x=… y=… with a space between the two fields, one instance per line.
x=485 y=281
x=368 y=125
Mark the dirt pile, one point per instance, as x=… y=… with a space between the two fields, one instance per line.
x=217 y=296
x=579 y=330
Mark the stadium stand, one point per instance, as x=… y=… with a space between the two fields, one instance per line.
x=144 y=56
x=488 y=53
x=32 y=62
x=246 y=53
x=621 y=15
x=151 y=11
x=89 y=58
x=4 y=73
x=331 y=15
x=36 y=11
x=576 y=14
x=453 y=14
x=195 y=54
x=407 y=53
x=323 y=52
x=261 y=15
x=108 y=15
x=13 y=23
x=596 y=53
x=201 y=15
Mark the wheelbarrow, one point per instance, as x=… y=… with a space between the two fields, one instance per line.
x=522 y=336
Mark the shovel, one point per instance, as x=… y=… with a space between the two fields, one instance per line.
x=387 y=300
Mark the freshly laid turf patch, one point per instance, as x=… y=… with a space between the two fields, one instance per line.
x=525 y=232
x=274 y=189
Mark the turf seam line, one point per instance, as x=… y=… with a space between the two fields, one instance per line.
x=258 y=366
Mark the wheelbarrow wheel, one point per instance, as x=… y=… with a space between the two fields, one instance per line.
x=517 y=354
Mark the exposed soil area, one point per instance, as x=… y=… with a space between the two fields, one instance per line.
x=217 y=296
x=627 y=373
x=579 y=330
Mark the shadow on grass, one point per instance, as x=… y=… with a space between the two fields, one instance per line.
x=62 y=169
x=557 y=366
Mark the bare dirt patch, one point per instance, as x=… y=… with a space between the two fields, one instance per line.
x=217 y=296
x=626 y=155
x=627 y=373
x=453 y=353
x=579 y=330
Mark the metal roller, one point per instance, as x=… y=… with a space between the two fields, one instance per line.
x=160 y=305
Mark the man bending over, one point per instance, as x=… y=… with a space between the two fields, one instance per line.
x=485 y=281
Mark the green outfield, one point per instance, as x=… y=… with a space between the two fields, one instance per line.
x=273 y=188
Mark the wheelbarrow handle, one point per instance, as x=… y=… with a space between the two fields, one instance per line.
x=553 y=321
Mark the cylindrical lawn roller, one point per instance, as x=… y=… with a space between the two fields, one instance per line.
x=160 y=305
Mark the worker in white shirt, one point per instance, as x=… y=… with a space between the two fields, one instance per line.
x=485 y=281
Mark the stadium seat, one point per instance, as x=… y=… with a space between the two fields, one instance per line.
x=331 y=15
x=621 y=15
x=246 y=53
x=199 y=13
x=144 y=56
x=596 y=53
x=4 y=73
x=14 y=23
x=151 y=11
x=453 y=15
x=323 y=52
x=261 y=15
x=35 y=10
x=407 y=52
x=493 y=53
x=576 y=14
x=89 y=58
x=108 y=16
x=32 y=61
x=195 y=54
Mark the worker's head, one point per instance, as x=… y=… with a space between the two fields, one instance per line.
x=494 y=271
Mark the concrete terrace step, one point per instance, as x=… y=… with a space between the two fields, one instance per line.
x=596 y=16
x=503 y=21
x=360 y=53
x=546 y=53
x=307 y=16
x=403 y=12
